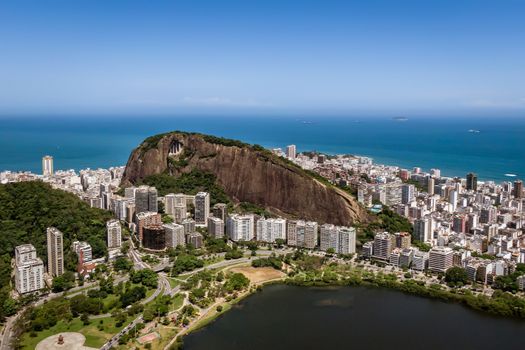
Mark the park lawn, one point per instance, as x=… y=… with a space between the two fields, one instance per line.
x=173 y=282
x=177 y=302
x=110 y=299
x=94 y=337
x=208 y=262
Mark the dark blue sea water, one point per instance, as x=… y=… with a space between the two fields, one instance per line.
x=445 y=143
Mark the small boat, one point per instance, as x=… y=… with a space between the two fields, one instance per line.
x=511 y=175
x=474 y=131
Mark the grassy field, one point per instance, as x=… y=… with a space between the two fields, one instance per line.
x=94 y=337
x=177 y=302
x=208 y=262
x=173 y=282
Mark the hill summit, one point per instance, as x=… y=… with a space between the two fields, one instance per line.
x=246 y=174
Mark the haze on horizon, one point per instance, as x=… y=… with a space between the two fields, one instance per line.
x=262 y=57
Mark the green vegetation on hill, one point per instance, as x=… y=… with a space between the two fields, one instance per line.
x=189 y=183
x=389 y=221
x=27 y=209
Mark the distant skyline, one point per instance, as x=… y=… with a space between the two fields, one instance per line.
x=262 y=57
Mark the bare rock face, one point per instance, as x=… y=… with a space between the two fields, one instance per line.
x=247 y=174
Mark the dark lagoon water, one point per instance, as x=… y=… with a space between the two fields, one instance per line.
x=288 y=317
x=446 y=143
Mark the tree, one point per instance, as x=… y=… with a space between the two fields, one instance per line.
x=456 y=276
x=85 y=319
x=122 y=264
x=280 y=242
x=235 y=282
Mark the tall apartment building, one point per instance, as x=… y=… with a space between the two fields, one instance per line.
x=220 y=210
x=215 y=227
x=129 y=192
x=83 y=251
x=407 y=194
x=174 y=235
x=440 y=259
x=47 y=166
x=423 y=230
x=189 y=226
x=328 y=237
x=472 y=182
x=346 y=237
x=431 y=183
x=403 y=240
x=29 y=269
x=383 y=245
x=518 y=189
x=55 y=252
x=240 y=227
x=175 y=205
x=153 y=237
x=420 y=260
x=143 y=219
x=291 y=151
x=202 y=208
x=114 y=234
x=268 y=230
x=302 y=233
x=146 y=199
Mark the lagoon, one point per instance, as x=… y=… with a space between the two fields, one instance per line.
x=291 y=317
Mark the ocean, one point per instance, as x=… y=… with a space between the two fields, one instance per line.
x=491 y=147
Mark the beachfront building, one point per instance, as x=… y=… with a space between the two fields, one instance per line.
x=47 y=166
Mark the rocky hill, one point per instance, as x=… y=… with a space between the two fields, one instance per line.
x=246 y=173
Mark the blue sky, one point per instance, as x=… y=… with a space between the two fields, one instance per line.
x=262 y=57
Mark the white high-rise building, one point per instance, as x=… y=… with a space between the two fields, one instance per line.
x=346 y=240
x=47 y=166
x=114 y=234
x=268 y=230
x=240 y=227
x=202 y=208
x=174 y=235
x=291 y=151
x=55 y=252
x=215 y=227
x=29 y=269
x=383 y=245
x=302 y=234
x=453 y=199
x=423 y=230
x=175 y=205
x=440 y=259
x=340 y=239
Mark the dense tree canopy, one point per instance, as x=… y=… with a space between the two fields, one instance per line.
x=27 y=209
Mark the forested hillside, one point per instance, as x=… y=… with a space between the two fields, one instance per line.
x=28 y=208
